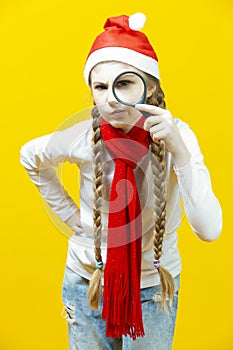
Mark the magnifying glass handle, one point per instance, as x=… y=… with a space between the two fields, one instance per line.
x=145 y=114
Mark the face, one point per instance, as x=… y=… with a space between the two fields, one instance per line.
x=117 y=114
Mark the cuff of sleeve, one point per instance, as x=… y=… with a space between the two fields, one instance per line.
x=186 y=179
x=184 y=170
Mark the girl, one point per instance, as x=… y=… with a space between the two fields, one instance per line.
x=133 y=172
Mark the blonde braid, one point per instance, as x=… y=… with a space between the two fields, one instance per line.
x=158 y=162
x=159 y=173
x=95 y=287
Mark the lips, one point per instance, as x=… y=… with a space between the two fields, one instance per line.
x=117 y=111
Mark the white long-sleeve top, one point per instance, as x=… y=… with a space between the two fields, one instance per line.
x=191 y=183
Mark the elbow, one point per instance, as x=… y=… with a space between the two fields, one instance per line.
x=210 y=233
x=207 y=225
x=209 y=238
x=26 y=157
x=23 y=156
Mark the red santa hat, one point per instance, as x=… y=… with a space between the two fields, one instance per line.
x=122 y=41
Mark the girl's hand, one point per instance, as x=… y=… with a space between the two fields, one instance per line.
x=162 y=127
x=74 y=223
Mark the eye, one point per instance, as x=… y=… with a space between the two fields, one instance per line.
x=123 y=84
x=100 y=87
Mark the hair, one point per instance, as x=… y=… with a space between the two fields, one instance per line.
x=158 y=163
x=95 y=288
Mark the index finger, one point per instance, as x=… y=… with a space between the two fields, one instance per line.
x=150 y=109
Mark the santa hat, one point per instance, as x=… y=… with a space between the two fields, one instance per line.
x=121 y=41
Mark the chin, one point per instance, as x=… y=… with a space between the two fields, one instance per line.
x=118 y=125
x=123 y=126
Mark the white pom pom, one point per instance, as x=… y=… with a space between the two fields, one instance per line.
x=137 y=21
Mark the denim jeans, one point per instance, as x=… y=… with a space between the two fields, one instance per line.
x=86 y=330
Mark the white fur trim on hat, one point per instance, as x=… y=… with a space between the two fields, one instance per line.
x=121 y=54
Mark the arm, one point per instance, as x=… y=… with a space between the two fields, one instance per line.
x=42 y=155
x=201 y=206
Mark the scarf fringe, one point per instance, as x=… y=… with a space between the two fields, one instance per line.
x=122 y=308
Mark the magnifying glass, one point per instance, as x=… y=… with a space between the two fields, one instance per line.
x=129 y=88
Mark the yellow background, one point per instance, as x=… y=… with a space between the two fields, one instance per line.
x=43 y=48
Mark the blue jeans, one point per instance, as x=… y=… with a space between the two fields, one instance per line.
x=86 y=330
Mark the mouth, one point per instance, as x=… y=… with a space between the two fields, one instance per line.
x=117 y=112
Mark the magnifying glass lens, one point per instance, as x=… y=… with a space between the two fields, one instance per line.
x=129 y=88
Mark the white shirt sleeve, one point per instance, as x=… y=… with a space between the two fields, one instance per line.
x=201 y=205
x=41 y=155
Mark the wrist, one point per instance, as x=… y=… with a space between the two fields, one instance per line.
x=181 y=156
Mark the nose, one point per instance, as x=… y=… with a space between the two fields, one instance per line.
x=111 y=100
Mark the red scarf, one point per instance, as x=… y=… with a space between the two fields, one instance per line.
x=122 y=305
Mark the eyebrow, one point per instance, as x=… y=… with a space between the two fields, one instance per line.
x=98 y=82
x=130 y=76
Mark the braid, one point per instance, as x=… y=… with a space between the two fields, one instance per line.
x=97 y=183
x=158 y=162
x=95 y=287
